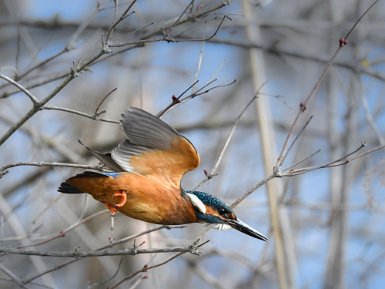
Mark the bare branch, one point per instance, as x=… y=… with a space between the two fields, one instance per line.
x=179 y=99
x=335 y=163
x=34 y=100
x=303 y=105
x=213 y=171
x=4 y=169
x=62 y=233
x=134 y=236
x=97 y=113
x=14 y=278
x=104 y=248
x=146 y=267
x=252 y=190
x=94 y=116
x=116 y=21
x=97 y=253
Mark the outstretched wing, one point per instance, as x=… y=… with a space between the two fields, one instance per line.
x=153 y=148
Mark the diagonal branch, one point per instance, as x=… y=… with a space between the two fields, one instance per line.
x=304 y=104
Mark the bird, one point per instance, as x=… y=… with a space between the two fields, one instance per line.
x=144 y=175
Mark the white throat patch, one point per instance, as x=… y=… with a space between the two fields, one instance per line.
x=197 y=203
x=220 y=227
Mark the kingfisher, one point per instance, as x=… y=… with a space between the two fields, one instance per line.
x=144 y=178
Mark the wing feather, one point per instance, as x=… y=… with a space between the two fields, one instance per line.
x=152 y=147
x=105 y=158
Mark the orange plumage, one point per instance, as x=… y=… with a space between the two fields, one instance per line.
x=154 y=163
x=149 y=198
x=144 y=183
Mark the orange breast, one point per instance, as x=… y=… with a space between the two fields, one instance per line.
x=148 y=197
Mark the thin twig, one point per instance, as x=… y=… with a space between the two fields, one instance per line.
x=80 y=113
x=378 y=148
x=205 y=39
x=200 y=91
x=176 y=100
x=303 y=105
x=116 y=21
x=44 y=62
x=252 y=190
x=14 y=278
x=226 y=144
x=335 y=163
x=169 y=39
x=183 y=13
x=134 y=236
x=70 y=76
x=213 y=171
x=101 y=285
x=279 y=51
x=64 y=264
x=97 y=113
x=62 y=233
x=4 y=169
x=303 y=160
x=39 y=82
x=95 y=253
x=147 y=268
x=34 y=100
x=297 y=136
x=74 y=72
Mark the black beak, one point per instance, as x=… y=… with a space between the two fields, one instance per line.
x=244 y=228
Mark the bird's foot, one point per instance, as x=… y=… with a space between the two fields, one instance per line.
x=111 y=208
x=121 y=196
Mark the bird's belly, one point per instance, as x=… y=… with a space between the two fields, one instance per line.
x=157 y=211
x=142 y=211
x=149 y=200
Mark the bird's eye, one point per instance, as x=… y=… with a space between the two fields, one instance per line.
x=222 y=211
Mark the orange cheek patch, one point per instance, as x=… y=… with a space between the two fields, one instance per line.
x=211 y=211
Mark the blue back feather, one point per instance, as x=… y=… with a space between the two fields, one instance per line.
x=210 y=200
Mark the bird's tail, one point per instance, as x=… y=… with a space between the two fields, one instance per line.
x=74 y=185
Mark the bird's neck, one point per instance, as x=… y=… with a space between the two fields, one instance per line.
x=180 y=211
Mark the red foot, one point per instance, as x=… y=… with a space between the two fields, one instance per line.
x=122 y=196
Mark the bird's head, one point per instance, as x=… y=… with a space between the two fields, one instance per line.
x=211 y=210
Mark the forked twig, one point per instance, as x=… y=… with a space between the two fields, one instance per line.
x=34 y=100
x=304 y=104
x=338 y=162
x=203 y=90
x=193 y=246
